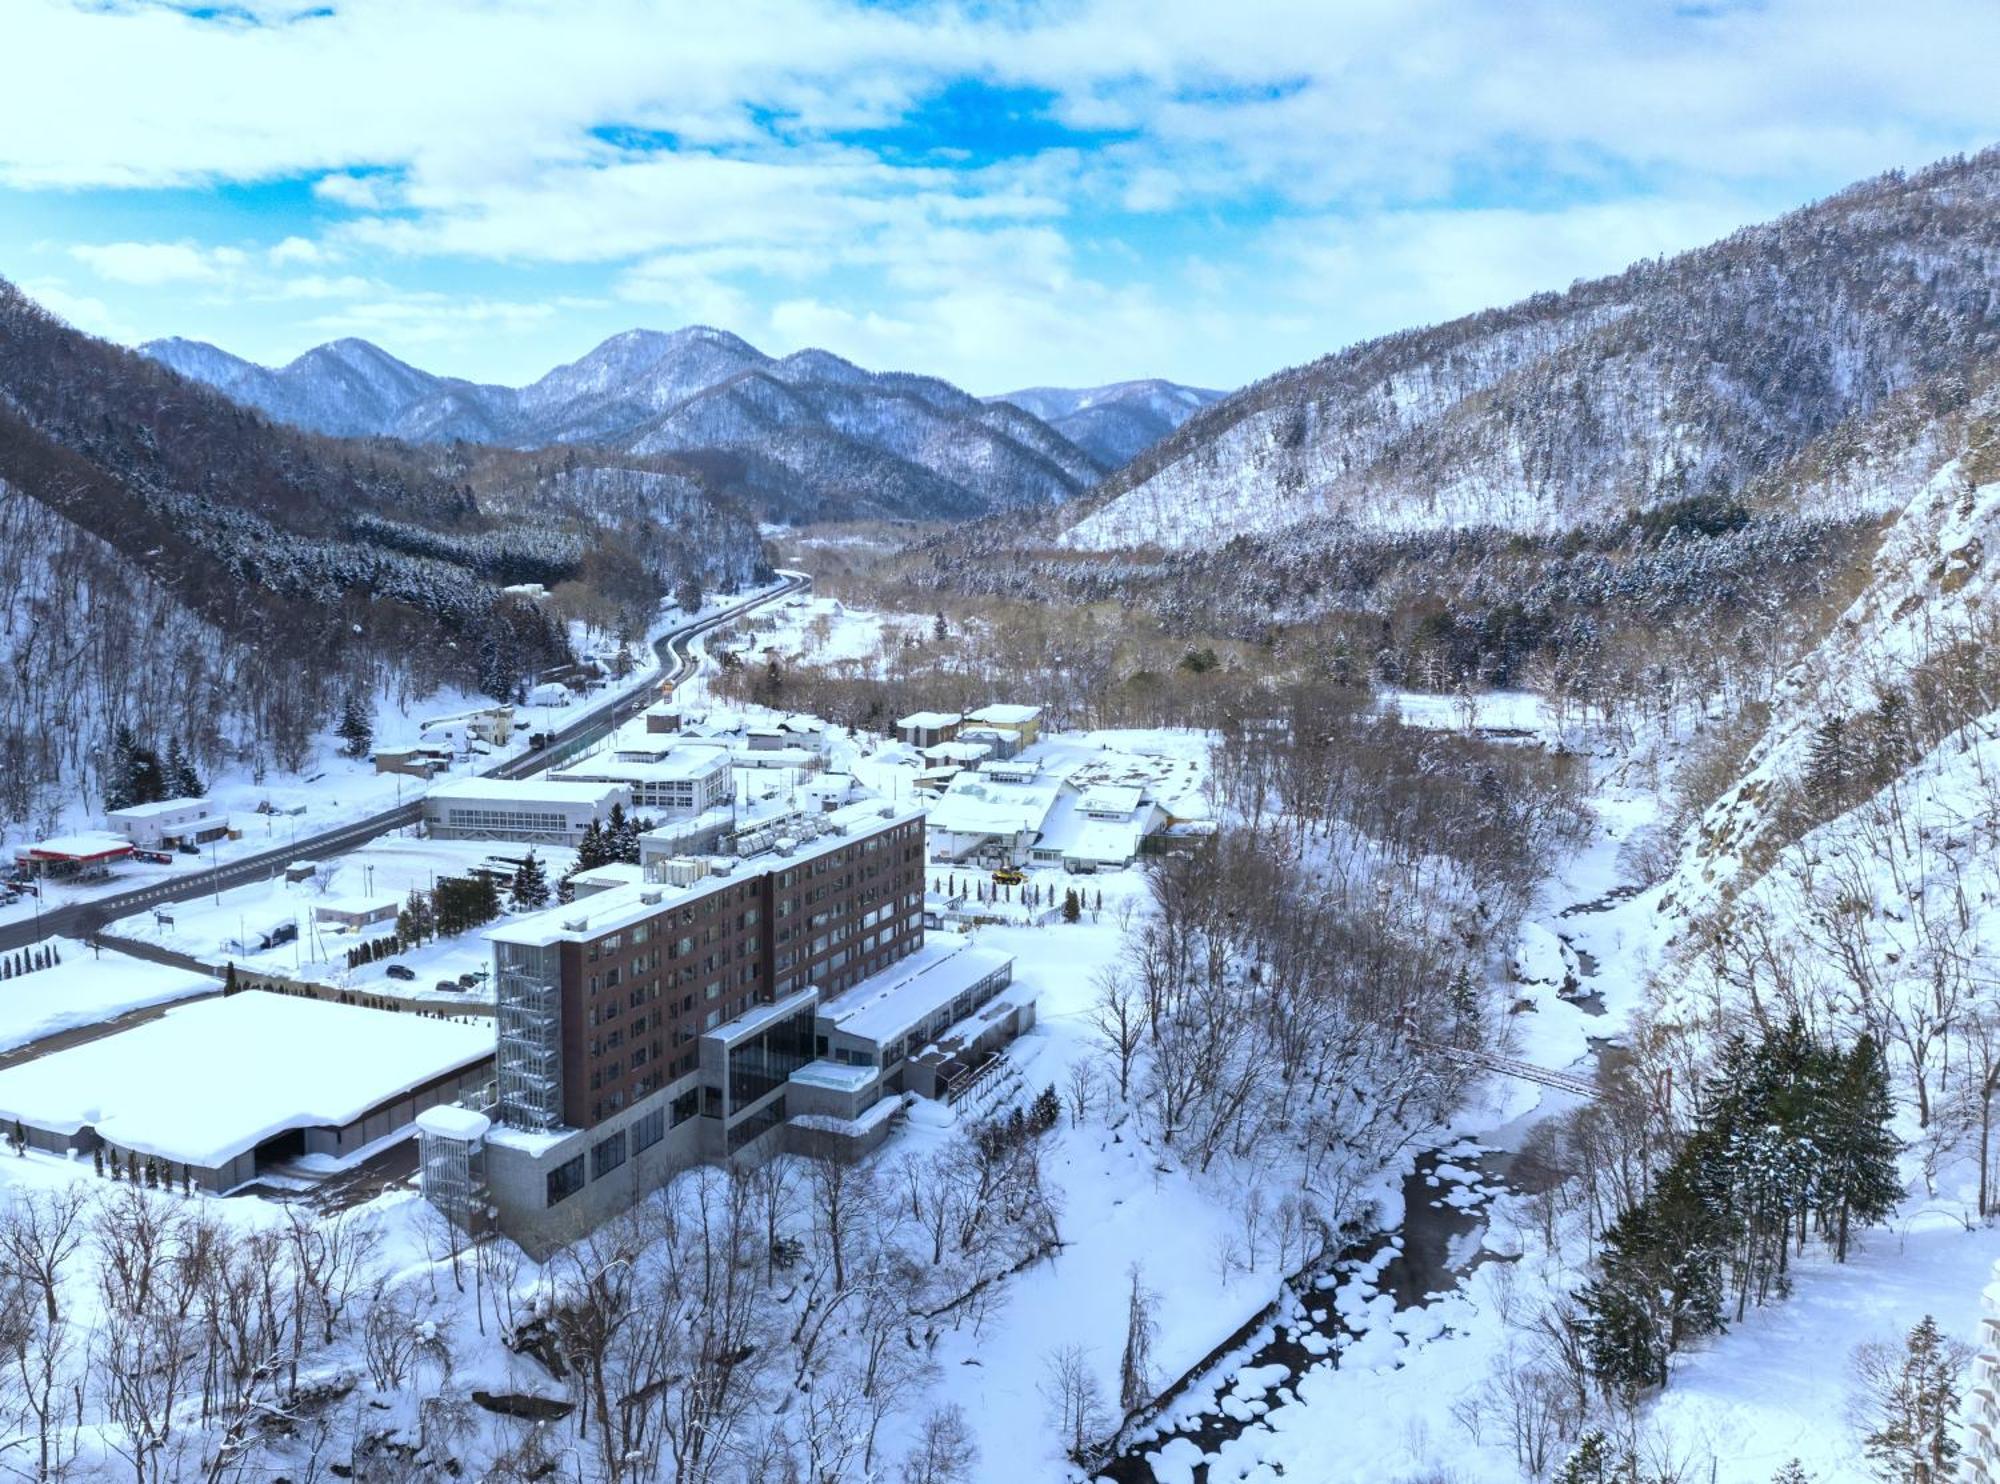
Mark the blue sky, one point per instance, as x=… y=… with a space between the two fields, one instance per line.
x=1003 y=194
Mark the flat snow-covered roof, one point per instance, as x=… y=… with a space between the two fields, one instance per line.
x=885 y=1005
x=155 y=809
x=524 y=791
x=669 y=767
x=1006 y=715
x=450 y=1122
x=212 y=1080
x=86 y=846
x=929 y=720
x=622 y=906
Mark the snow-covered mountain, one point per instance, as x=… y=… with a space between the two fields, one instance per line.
x=805 y=436
x=1687 y=376
x=1115 y=423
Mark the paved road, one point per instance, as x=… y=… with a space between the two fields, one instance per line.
x=81 y=919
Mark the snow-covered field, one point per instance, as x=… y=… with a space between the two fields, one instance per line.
x=86 y=988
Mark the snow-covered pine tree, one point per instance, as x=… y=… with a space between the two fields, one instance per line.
x=531 y=885
x=1859 y=1181
x=356 y=729
x=596 y=847
x=183 y=780
x=1918 y=1406
x=133 y=773
x=1590 y=1462
x=1829 y=765
x=417 y=921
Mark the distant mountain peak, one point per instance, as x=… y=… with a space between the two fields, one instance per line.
x=1117 y=422
x=807 y=436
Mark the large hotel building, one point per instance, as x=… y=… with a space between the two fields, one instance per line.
x=688 y=1015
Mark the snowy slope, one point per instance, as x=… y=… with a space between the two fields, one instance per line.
x=1686 y=376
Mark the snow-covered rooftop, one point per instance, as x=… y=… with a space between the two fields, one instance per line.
x=670 y=767
x=212 y=1080
x=450 y=1122
x=929 y=721
x=525 y=791
x=1005 y=715
x=982 y=804
x=622 y=906
x=885 y=1005
x=86 y=845
x=1112 y=798
x=156 y=809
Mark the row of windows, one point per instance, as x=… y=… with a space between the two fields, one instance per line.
x=506 y=819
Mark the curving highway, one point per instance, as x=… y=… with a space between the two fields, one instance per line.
x=81 y=919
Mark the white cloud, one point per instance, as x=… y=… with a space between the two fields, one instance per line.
x=152 y=263
x=1325 y=169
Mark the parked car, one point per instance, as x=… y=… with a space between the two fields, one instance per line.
x=153 y=857
x=1008 y=876
x=471 y=981
x=188 y=847
x=400 y=971
x=450 y=986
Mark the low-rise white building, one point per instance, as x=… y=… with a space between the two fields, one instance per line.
x=689 y=780
x=995 y=816
x=531 y=810
x=168 y=822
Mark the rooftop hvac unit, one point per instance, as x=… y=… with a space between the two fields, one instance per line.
x=650 y=898
x=721 y=865
x=682 y=870
x=786 y=845
x=576 y=924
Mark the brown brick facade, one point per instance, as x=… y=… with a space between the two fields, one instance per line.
x=635 y=1001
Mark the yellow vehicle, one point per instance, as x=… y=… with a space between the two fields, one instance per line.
x=1008 y=876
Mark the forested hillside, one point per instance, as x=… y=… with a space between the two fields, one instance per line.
x=1678 y=378
x=178 y=564
x=803 y=437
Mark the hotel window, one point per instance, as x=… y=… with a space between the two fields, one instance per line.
x=607 y=1156
x=565 y=1181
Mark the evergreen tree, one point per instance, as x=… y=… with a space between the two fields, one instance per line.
x=1889 y=743
x=182 y=779
x=1072 y=907
x=621 y=837
x=1859 y=1182
x=229 y=982
x=417 y=921
x=133 y=773
x=596 y=847
x=1046 y=1111
x=1830 y=765
x=938 y=630
x=1915 y=1440
x=1792 y=1473
x=531 y=885
x=1590 y=1462
x=356 y=729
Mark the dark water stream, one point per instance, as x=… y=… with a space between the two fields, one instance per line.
x=1434 y=1257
